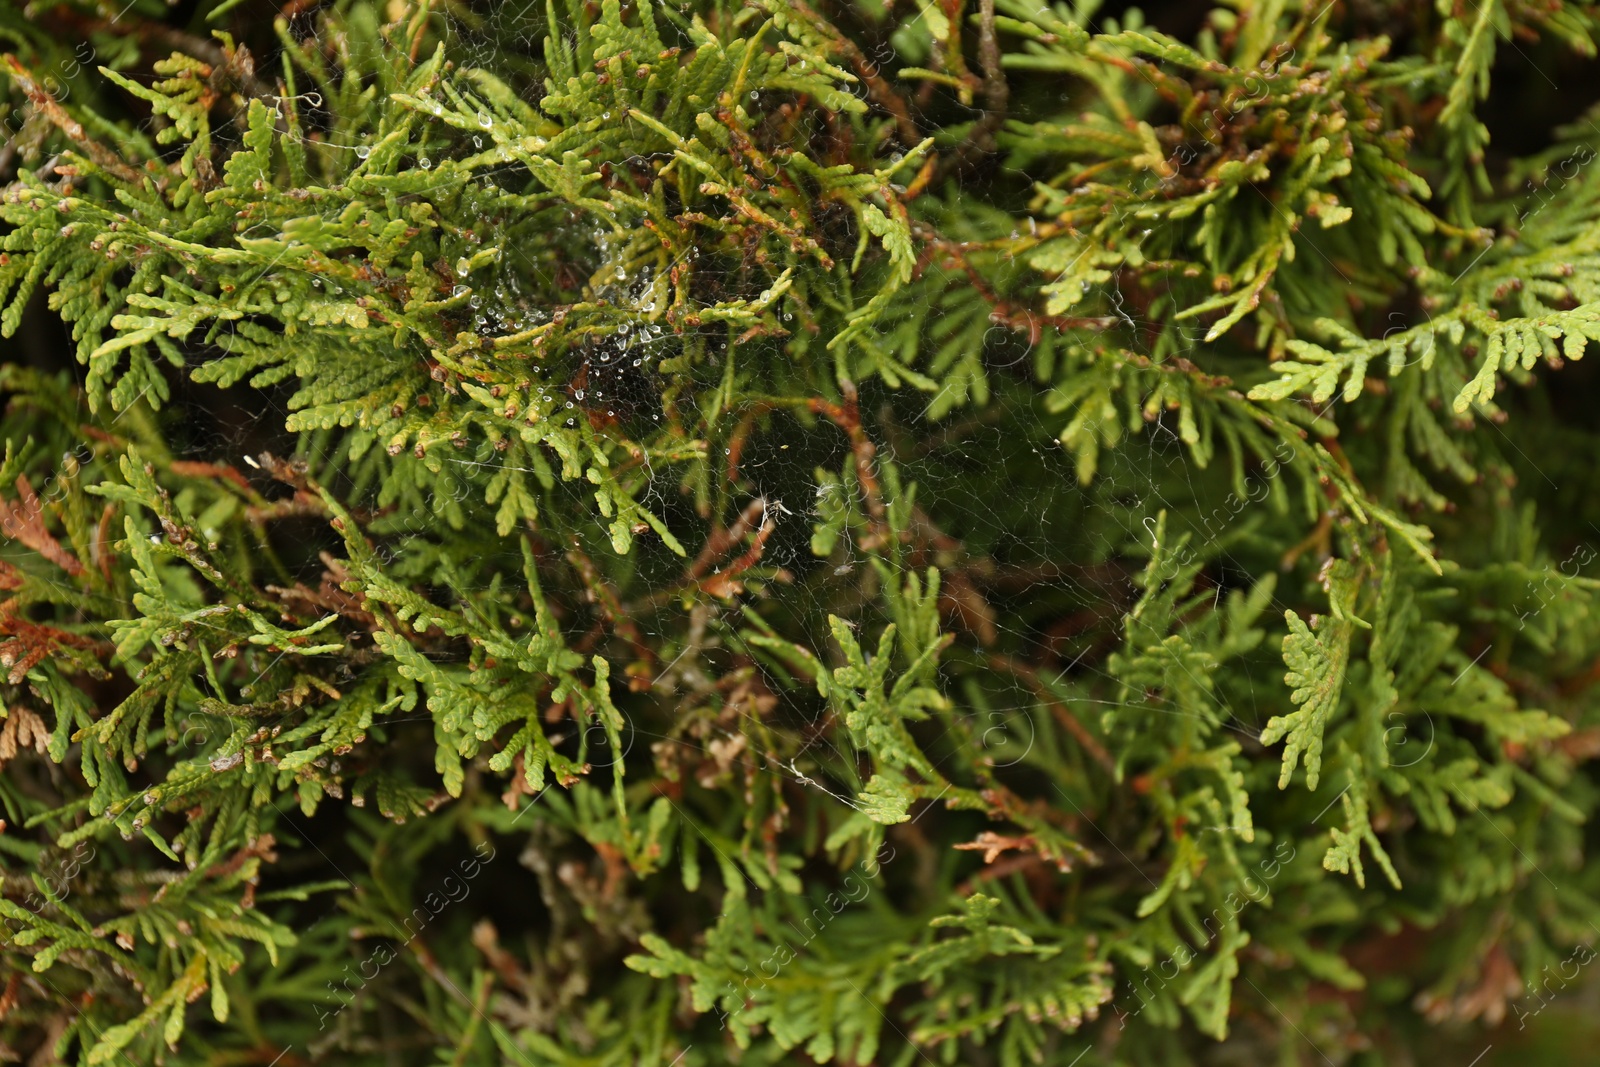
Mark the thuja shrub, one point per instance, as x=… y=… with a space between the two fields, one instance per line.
x=974 y=532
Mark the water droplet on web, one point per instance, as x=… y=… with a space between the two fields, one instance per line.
x=425 y=163
x=363 y=151
x=754 y=95
x=476 y=301
x=484 y=120
x=460 y=290
x=462 y=266
x=605 y=114
x=477 y=142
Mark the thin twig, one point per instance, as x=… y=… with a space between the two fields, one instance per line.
x=881 y=92
x=99 y=154
x=996 y=93
x=1062 y=713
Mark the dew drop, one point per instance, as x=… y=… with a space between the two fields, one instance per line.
x=425 y=163
x=363 y=152
x=484 y=120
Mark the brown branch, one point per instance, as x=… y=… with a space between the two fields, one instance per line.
x=996 y=94
x=847 y=417
x=1025 y=320
x=1003 y=312
x=32 y=642
x=604 y=597
x=1062 y=713
x=24 y=522
x=99 y=154
x=881 y=92
x=725 y=583
x=329 y=595
x=720 y=540
x=191 y=469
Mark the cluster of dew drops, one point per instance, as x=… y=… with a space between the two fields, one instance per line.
x=631 y=339
x=510 y=310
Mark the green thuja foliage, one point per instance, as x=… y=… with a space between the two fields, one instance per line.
x=983 y=532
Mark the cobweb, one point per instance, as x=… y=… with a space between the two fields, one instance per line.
x=1133 y=484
